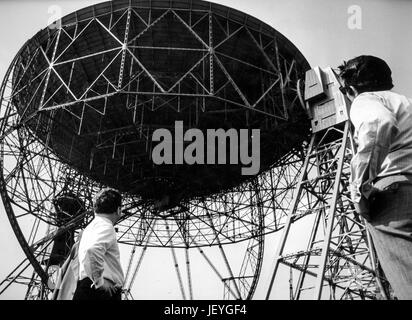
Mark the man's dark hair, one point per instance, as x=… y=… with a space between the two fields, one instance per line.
x=107 y=201
x=366 y=74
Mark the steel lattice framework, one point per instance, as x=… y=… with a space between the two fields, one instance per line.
x=80 y=102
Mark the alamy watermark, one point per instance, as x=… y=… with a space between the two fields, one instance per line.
x=56 y=13
x=218 y=140
x=355 y=17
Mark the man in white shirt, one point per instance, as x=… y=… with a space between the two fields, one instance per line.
x=100 y=273
x=381 y=170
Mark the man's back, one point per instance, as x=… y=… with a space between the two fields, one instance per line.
x=387 y=108
x=99 y=245
x=100 y=273
x=381 y=169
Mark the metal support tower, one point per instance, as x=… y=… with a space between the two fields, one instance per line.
x=336 y=259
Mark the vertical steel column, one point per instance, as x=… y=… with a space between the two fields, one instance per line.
x=331 y=215
x=51 y=62
x=124 y=48
x=211 y=54
x=292 y=209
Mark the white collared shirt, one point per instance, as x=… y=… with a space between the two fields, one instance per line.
x=99 y=256
x=383 y=133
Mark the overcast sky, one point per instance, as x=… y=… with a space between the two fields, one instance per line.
x=319 y=28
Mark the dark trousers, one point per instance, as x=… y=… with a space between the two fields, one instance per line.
x=85 y=292
x=391 y=231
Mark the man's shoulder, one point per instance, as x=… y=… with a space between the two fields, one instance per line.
x=368 y=106
x=381 y=95
x=366 y=100
x=388 y=99
x=99 y=223
x=371 y=95
x=99 y=229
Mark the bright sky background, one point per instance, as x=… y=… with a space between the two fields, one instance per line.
x=319 y=28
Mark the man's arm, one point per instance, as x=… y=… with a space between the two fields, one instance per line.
x=375 y=128
x=102 y=239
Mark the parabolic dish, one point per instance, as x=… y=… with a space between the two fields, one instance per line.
x=94 y=87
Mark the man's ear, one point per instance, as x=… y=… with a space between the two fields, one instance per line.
x=352 y=91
